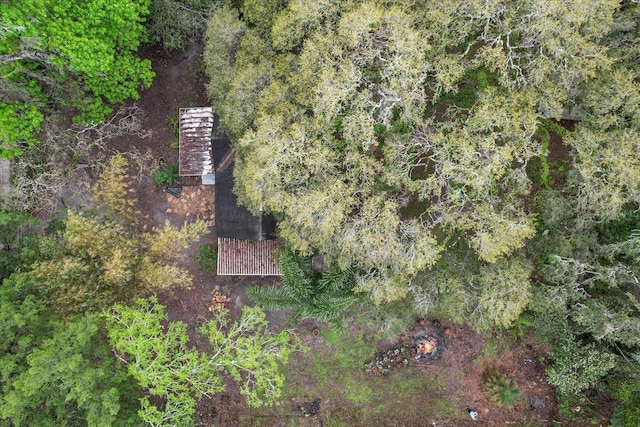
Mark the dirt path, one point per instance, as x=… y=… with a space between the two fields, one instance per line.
x=179 y=82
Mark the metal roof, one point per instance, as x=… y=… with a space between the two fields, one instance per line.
x=247 y=258
x=5 y=178
x=196 y=130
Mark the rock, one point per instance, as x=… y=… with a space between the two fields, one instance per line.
x=537 y=402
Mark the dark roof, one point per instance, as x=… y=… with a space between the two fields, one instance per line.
x=220 y=144
x=234 y=221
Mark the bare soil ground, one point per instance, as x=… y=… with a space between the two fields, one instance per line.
x=180 y=82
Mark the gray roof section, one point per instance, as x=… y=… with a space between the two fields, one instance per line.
x=5 y=178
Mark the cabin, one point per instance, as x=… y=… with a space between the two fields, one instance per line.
x=246 y=242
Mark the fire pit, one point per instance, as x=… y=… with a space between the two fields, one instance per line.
x=428 y=347
x=427 y=340
x=424 y=343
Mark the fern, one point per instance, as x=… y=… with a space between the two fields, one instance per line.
x=337 y=280
x=297 y=274
x=501 y=388
x=306 y=294
x=272 y=297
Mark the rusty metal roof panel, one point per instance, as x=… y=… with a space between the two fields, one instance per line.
x=196 y=129
x=246 y=258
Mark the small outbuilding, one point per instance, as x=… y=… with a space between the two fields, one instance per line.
x=246 y=243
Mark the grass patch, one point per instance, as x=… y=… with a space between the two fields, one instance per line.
x=334 y=372
x=208 y=259
x=491 y=349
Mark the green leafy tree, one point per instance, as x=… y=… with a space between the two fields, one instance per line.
x=98 y=261
x=224 y=32
x=54 y=372
x=18 y=241
x=586 y=307
x=68 y=380
x=161 y=361
x=305 y=293
x=19 y=124
x=95 y=264
x=626 y=390
x=578 y=367
x=464 y=289
x=59 y=53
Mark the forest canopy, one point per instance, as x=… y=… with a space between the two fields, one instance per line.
x=378 y=132
x=56 y=54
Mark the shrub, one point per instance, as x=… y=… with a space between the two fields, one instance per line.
x=578 y=367
x=208 y=258
x=304 y=294
x=166 y=175
x=626 y=390
x=173 y=23
x=500 y=388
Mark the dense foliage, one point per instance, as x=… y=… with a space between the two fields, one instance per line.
x=413 y=140
x=376 y=131
x=54 y=371
x=67 y=53
x=66 y=287
x=161 y=361
x=308 y=294
x=175 y=23
x=476 y=160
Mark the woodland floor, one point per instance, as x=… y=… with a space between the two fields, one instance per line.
x=450 y=385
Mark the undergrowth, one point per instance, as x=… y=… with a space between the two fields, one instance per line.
x=334 y=372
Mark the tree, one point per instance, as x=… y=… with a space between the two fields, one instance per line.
x=338 y=127
x=98 y=261
x=224 y=32
x=161 y=360
x=407 y=123
x=604 y=143
x=585 y=306
x=57 y=171
x=304 y=293
x=70 y=378
x=173 y=23
x=64 y=53
x=488 y=295
x=18 y=125
x=54 y=372
x=18 y=241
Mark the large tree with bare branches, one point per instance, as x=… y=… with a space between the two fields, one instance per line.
x=377 y=130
